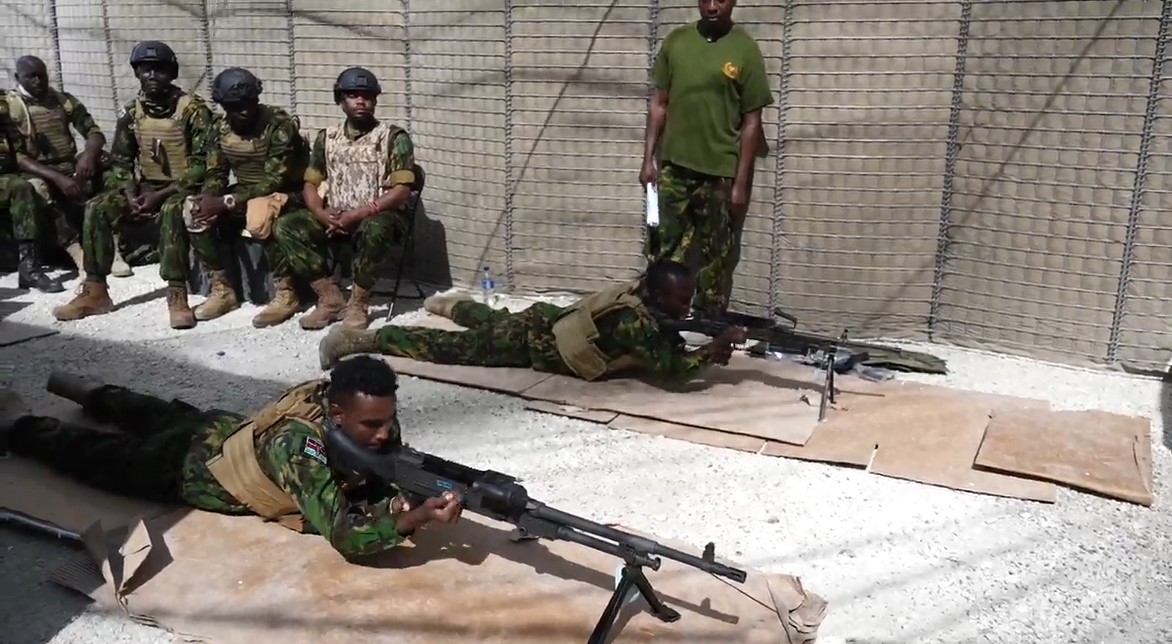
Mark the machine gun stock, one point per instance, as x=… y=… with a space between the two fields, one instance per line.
x=501 y=497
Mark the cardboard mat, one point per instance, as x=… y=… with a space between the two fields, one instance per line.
x=1096 y=451
x=898 y=429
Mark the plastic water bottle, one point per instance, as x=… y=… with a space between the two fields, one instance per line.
x=488 y=287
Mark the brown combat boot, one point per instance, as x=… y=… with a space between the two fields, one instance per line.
x=283 y=306
x=342 y=342
x=357 y=309
x=177 y=308
x=221 y=298
x=442 y=305
x=329 y=307
x=93 y=298
x=77 y=255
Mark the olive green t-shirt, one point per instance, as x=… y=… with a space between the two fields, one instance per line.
x=709 y=86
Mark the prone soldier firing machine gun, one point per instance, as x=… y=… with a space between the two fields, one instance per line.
x=499 y=496
x=786 y=339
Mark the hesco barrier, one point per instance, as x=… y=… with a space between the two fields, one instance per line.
x=992 y=174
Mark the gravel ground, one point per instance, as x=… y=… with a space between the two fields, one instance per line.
x=899 y=562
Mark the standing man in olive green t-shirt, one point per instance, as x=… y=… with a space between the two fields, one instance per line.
x=710 y=87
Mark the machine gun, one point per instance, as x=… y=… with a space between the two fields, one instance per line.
x=499 y=496
x=786 y=339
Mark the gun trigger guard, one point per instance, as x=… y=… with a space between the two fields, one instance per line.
x=519 y=534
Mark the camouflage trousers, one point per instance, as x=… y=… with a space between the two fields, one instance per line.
x=495 y=338
x=209 y=245
x=20 y=199
x=304 y=244
x=696 y=229
x=158 y=455
x=66 y=214
x=108 y=214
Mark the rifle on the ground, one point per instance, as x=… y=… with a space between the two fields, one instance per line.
x=420 y=476
x=787 y=339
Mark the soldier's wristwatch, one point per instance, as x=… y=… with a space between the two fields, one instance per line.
x=230 y=201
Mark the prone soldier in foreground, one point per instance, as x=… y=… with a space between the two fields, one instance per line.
x=272 y=463
x=614 y=331
x=158 y=142
x=262 y=146
x=63 y=179
x=19 y=198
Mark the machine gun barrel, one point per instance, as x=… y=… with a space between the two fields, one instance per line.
x=625 y=541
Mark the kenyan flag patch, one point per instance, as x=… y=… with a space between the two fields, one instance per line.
x=315 y=450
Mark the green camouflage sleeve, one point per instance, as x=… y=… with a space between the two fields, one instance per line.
x=196 y=122
x=216 y=172
x=637 y=336
x=281 y=134
x=123 y=153
x=316 y=172
x=297 y=457
x=79 y=116
x=401 y=162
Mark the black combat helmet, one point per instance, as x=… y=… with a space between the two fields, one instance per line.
x=153 y=51
x=356 y=79
x=236 y=86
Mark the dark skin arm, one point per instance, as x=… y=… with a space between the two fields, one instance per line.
x=80 y=119
x=656 y=118
x=751 y=136
x=87 y=165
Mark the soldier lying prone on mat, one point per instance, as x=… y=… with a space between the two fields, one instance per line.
x=272 y=463
x=614 y=331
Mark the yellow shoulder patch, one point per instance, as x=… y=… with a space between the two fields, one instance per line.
x=731 y=70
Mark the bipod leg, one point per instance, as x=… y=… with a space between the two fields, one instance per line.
x=632 y=576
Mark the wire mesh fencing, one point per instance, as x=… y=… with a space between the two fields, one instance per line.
x=993 y=174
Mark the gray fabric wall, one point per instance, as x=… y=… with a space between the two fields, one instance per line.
x=994 y=174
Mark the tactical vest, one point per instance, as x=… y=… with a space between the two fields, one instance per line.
x=247 y=156
x=357 y=169
x=162 y=142
x=575 y=332
x=45 y=128
x=7 y=129
x=237 y=469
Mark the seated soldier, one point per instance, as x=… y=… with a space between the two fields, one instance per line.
x=614 y=331
x=63 y=179
x=359 y=179
x=262 y=146
x=272 y=463
x=158 y=141
x=19 y=199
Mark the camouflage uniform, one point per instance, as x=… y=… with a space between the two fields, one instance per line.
x=271 y=161
x=45 y=127
x=162 y=455
x=710 y=86
x=18 y=201
x=352 y=168
x=176 y=129
x=498 y=338
x=173 y=154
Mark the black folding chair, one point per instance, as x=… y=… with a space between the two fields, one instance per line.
x=412 y=210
